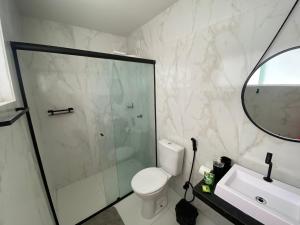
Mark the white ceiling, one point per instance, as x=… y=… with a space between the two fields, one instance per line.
x=113 y=16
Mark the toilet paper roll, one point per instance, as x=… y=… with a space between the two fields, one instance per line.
x=204 y=169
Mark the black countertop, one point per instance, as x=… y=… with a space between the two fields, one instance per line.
x=227 y=210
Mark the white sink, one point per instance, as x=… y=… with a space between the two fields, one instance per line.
x=272 y=203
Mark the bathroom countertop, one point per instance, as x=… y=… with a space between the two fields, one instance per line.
x=227 y=210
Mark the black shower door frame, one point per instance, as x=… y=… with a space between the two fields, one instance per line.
x=15 y=46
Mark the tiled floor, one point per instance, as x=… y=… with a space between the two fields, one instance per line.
x=81 y=199
x=130 y=207
x=109 y=216
x=85 y=197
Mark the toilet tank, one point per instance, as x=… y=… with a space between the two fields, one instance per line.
x=170 y=157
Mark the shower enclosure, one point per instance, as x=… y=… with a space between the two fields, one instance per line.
x=92 y=122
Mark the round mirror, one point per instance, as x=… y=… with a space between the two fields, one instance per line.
x=271 y=95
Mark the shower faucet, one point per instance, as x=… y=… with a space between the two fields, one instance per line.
x=130 y=106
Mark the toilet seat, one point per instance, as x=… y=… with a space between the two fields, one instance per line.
x=149 y=181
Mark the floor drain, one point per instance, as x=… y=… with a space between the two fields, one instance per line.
x=260 y=200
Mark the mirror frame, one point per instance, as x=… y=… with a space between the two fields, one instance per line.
x=243 y=95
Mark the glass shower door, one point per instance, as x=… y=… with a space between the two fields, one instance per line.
x=76 y=149
x=90 y=154
x=133 y=115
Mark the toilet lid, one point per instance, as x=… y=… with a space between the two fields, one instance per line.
x=149 y=180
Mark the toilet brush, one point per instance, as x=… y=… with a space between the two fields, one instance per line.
x=186 y=213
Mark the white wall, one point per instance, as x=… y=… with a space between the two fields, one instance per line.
x=22 y=198
x=47 y=32
x=205 y=50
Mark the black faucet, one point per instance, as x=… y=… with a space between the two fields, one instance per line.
x=268 y=160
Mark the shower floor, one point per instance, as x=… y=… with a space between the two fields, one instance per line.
x=79 y=200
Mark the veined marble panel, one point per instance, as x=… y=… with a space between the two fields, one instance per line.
x=205 y=50
x=47 y=32
x=21 y=190
x=70 y=143
x=22 y=197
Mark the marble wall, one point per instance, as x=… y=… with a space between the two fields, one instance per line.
x=22 y=198
x=205 y=50
x=47 y=32
x=70 y=144
x=51 y=77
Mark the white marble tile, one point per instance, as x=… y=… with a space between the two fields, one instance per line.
x=21 y=190
x=167 y=218
x=80 y=199
x=55 y=81
x=210 y=216
x=130 y=212
x=201 y=72
x=205 y=50
x=22 y=197
x=47 y=32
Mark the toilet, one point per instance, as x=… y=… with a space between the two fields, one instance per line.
x=150 y=184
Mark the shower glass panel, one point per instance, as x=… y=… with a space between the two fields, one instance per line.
x=91 y=152
x=133 y=119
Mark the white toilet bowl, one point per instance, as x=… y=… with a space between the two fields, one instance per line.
x=150 y=185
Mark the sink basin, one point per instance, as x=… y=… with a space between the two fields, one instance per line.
x=273 y=203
